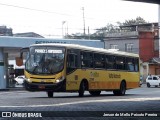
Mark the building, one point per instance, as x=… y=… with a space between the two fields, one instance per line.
x=28 y=34
x=4 y=31
x=141 y=39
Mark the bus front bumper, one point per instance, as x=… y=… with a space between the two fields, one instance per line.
x=57 y=87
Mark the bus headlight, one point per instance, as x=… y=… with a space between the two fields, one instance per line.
x=60 y=79
x=27 y=79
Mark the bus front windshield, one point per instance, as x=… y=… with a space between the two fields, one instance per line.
x=45 y=60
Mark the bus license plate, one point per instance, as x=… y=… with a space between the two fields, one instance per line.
x=41 y=87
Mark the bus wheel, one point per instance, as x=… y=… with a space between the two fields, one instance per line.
x=122 y=89
x=81 y=89
x=50 y=94
x=95 y=93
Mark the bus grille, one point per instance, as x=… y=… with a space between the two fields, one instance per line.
x=43 y=82
x=41 y=78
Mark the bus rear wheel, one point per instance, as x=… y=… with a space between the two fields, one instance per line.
x=50 y=94
x=122 y=89
x=95 y=93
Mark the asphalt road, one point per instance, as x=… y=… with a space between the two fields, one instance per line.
x=139 y=102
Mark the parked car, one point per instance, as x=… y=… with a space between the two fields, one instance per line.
x=153 y=80
x=19 y=80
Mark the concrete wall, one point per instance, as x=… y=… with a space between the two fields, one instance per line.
x=121 y=39
x=147 y=46
x=122 y=43
x=2 y=70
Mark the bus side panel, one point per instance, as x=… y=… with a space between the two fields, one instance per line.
x=110 y=80
x=73 y=80
x=132 y=80
x=102 y=79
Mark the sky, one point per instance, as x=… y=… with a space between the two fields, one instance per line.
x=46 y=17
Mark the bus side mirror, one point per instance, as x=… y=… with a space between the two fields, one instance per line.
x=19 y=61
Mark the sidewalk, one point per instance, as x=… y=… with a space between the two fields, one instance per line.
x=16 y=89
x=143 y=85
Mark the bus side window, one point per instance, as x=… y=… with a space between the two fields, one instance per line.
x=99 y=61
x=136 y=64
x=110 y=62
x=120 y=62
x=72 y=62
x=130 y=64
x=86 y=60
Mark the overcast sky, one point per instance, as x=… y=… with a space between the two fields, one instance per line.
x=45 y=17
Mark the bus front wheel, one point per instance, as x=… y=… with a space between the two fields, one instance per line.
x=81 y=89
x=50 y=94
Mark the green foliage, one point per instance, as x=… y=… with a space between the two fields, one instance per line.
x=109 y=28
x=136 y=21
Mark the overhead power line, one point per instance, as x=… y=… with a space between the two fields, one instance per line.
x=32 y=9
x=44 y=11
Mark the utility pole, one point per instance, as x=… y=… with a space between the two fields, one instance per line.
x=88 y=33
x=63 y=22
x=83 y=22
x=159 y=27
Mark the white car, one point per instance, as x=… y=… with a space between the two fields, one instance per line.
x=153 y=80
x=19 y=80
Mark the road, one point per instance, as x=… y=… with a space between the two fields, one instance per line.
x=140 y=100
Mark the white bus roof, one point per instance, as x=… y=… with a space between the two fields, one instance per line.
x=81 y=47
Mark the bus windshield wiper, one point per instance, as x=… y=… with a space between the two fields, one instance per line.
x=33 y=71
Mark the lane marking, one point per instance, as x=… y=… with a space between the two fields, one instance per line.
x=11 y=92
x=82 y=102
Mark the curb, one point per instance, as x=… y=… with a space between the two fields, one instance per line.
x=12 y=89
x=16 y=89
x=4 y=89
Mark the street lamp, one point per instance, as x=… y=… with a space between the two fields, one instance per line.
x=83 y=22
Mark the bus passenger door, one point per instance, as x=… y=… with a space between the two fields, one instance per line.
x=71 y=62
x=72 y=76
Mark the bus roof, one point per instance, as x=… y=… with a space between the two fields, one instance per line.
x=81 y=47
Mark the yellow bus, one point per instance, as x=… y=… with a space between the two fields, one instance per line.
x=75 y=68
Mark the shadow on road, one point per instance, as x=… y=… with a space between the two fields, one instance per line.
x=87 y=96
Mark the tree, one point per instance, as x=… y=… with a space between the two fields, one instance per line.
x=130 y=25
x=110 y=28
x=136 y=21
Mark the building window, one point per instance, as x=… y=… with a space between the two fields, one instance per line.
x=129 y=47
x=113 y=46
